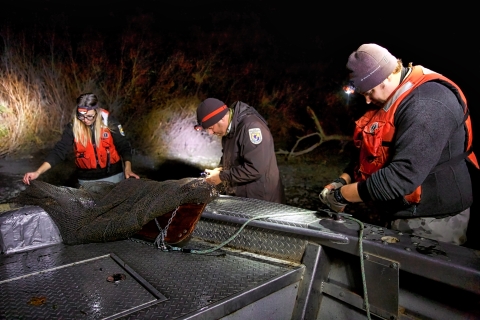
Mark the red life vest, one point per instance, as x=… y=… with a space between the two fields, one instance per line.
x=88 y=157
x=375 y=129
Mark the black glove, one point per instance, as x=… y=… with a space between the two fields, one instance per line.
x=334 y=199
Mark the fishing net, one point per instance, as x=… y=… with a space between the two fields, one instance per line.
x=104 y=211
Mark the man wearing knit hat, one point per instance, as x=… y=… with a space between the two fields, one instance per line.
x=413 y=148
x=248 y=167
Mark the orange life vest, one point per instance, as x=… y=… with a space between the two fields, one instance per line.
x=375 y=129
x=90 y=157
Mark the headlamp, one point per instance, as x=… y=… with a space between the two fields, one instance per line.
x=85 y=109
x=349 y=88
x=198 y=127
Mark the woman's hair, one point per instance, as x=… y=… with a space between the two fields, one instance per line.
x=81 y=132
x=87 y=100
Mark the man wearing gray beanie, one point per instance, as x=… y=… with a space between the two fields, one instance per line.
x=248 y=167
x=413 y=149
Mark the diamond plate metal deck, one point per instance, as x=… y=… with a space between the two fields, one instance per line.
x=80 y=288
x=270 y=243
x=265 y=239
x=249 y=208
x=190 y=282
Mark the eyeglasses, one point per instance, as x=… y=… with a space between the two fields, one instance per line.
x=88 y=117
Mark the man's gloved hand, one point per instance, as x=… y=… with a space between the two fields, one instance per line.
x=335 y=184
x=333 y=199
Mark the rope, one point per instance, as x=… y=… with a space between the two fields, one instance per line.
x=234 y=235
x=362 y=266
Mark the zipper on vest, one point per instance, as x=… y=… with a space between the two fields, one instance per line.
x=96 y=156
x=108 y=160
x=94 y=146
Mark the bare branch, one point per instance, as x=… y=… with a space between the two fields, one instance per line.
x=320 y=133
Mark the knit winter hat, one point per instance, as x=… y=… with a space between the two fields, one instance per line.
x=369 y=66
x=210 y=111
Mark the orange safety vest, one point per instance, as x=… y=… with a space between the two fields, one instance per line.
x=375 y=129
x=90 y=157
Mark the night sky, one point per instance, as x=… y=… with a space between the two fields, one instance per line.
x=439 y=38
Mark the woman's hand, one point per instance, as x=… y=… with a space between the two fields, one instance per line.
x=128 y=171
x=30 y=176
x=131 y=175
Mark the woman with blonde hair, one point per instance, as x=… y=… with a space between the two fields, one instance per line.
x=99 y=144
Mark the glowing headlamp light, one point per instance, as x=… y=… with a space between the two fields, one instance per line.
x=349 y=88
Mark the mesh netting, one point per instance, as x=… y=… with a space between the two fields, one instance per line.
x=104 y=211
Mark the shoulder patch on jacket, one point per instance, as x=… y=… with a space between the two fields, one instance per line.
x=255 y=135
x=120 y=129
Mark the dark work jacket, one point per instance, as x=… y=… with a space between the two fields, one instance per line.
x=249 y=163
x=429 y=130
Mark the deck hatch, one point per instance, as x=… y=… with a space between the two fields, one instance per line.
x=79 y=289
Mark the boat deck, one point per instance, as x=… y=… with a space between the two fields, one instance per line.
x=71 y=282
x=286 y=263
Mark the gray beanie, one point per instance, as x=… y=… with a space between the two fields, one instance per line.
x=210 y=111
x=369 y=66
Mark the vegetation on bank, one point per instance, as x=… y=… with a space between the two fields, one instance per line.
x=152 y=81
